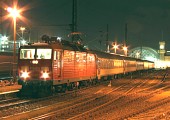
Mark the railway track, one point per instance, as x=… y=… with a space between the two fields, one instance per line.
x=131 y=108
x=87 y=110
x=84 y=104
x=8 y=101
x=24 y=105
x=19 y=106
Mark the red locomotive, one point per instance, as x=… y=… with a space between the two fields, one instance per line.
x=60 y=65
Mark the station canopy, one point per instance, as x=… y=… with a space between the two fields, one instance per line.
x=144 y=53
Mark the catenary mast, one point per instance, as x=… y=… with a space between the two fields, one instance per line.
x=74 y=21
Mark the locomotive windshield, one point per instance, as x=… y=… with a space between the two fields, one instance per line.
x=44 y=53
x=32 y=53
x=27 y=53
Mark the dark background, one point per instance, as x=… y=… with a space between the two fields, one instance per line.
x=148 y=21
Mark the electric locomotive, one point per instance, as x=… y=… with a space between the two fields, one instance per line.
x=55 y=65
x=58 y=65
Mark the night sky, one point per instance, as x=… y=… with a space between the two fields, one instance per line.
x=148 y=21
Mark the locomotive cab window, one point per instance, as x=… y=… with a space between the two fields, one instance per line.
x=44 y=53
x=27 y=53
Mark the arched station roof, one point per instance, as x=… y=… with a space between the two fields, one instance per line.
x=144 y=53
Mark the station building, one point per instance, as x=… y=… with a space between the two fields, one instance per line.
x=161 y=57
x=164 y=56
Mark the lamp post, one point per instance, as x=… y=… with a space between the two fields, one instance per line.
x=22 y=31
x=14 y=13
x=125 y=50
x=115 y=46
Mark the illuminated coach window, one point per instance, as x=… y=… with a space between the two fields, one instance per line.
x=27 y=53
x=77 y=58
x=84 y=57
x=44 y=53
x=90 y=58
x=71 y=56
x=102 y=64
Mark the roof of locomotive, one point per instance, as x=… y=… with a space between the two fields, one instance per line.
x=65 y=45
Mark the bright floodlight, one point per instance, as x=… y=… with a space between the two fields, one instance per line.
x=115 y=46
x=59 y=38
x=125 y=48
x=23 y=42
x=13 y=12
x=22 y=28
x=4 y=38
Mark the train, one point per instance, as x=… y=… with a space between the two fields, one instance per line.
x=7 y=65
x=59 y=65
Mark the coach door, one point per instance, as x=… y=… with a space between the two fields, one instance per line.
x=57 y=65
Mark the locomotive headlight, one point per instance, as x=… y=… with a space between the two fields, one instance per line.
x=35 y=62
x=45 y=75
x=24 y=75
